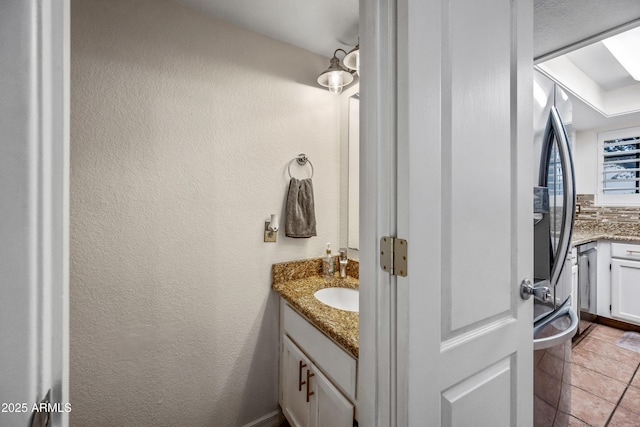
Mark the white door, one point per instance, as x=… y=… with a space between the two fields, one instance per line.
x=465 y=206
x=446 y=92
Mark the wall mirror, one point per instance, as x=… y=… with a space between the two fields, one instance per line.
x=350 y=170
x=353 y=225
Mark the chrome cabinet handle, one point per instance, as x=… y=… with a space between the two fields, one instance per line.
x=541 y=293
x=632 y=252
x=309 y=375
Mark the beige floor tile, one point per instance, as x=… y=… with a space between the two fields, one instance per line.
x=564 y=420
x=547 y=387
x=596 y=383
x=543 y=413
x=620 y=370
x=574 y=422
x=624 y=418
x=636 y=380
x=606 y=333
x=610 y=350
x=589 y=408
x=631 y=399
x=552 y=366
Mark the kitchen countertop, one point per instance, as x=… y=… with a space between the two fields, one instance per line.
x=297 y=281
x=589 y=231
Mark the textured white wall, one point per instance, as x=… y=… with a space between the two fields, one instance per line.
x=182 y=127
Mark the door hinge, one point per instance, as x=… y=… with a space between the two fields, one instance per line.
x=393 y=255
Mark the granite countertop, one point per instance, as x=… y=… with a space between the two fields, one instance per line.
x=297 y=281
x=589 y=231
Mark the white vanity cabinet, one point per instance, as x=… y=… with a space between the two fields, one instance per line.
x=625 y=282
x=317 y=377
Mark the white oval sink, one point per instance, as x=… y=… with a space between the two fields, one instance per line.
x=341 y=298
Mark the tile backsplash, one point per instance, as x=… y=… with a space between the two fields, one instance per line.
x=586 y=211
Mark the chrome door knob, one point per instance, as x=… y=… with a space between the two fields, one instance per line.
x=541 y=293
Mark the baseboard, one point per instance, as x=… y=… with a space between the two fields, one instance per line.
x=272 y=419
x=618 y=324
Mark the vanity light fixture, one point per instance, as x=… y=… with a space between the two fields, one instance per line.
x=624 y=47
x=336 y=76
x=352 y=59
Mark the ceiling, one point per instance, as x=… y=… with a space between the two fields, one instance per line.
x=602 y=91
x=321 y=26
x=561 y=23
x=598 y=63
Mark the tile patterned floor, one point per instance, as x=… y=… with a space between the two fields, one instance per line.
x=605 y=381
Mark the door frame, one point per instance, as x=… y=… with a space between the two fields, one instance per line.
x=378 y=134
x=35 y=192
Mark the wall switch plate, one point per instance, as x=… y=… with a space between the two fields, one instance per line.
x=269 y=236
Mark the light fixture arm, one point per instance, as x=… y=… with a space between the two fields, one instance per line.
x=339 y=50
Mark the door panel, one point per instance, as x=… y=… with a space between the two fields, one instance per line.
x=465 y=351
x=488 y=388
x=475 y=162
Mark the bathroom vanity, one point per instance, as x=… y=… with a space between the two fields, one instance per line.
x=318 y=348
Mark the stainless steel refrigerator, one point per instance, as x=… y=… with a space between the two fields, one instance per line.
x=555 y=321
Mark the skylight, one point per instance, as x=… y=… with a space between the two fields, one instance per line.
x=625 y=47
x=604 y=75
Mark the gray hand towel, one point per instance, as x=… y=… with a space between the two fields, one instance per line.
x=300 y=213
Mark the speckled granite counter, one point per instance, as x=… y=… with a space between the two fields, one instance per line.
x=297 y=281
x=589 y=231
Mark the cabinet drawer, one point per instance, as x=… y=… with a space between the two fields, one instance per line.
x=336 y=363
x=625 y=250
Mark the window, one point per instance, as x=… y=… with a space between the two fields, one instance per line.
x=619 y=167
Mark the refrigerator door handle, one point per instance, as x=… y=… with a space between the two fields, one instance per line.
x=555 y=129
x=567 y=334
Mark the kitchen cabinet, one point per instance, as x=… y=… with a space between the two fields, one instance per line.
x=625 y=282
x=317 y=377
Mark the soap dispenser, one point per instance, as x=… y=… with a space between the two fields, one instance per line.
x=327 y=264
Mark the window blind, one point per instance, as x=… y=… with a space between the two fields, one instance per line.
x=621 y=166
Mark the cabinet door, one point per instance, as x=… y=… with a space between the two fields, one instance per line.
x=294 y=392
x=329 y=407
x=625 y=290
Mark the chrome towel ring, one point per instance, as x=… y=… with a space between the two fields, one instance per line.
x=302 y=160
